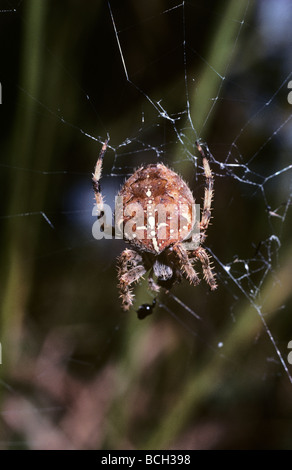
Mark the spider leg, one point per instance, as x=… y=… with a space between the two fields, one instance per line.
x=185 y=264
x=97 y=175
x=208 y=196
x=204 y=258
x=96 y=184
x=130 y=269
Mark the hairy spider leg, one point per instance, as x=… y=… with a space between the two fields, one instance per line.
x=208 y=196
x=185 y=264
x=201 y=254
x=130 y=269
x=97 y=187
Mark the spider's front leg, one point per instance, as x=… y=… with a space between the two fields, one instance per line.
x=209 y=192
x=130 y=269
x=185 y=264
x=201 y=254
x=96 y=177
x=97 y=190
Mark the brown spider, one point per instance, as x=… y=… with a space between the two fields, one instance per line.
x=156 y=246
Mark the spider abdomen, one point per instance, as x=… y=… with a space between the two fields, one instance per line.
x=157 y=208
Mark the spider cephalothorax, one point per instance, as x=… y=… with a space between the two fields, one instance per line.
x=157 y=217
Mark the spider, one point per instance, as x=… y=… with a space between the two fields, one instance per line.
x=162 y=254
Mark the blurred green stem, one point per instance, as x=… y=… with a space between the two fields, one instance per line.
x=18 y=245
x=217 y=64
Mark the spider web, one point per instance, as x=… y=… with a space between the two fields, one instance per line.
x=153 y=79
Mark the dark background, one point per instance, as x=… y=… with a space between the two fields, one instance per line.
x=77 y=372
